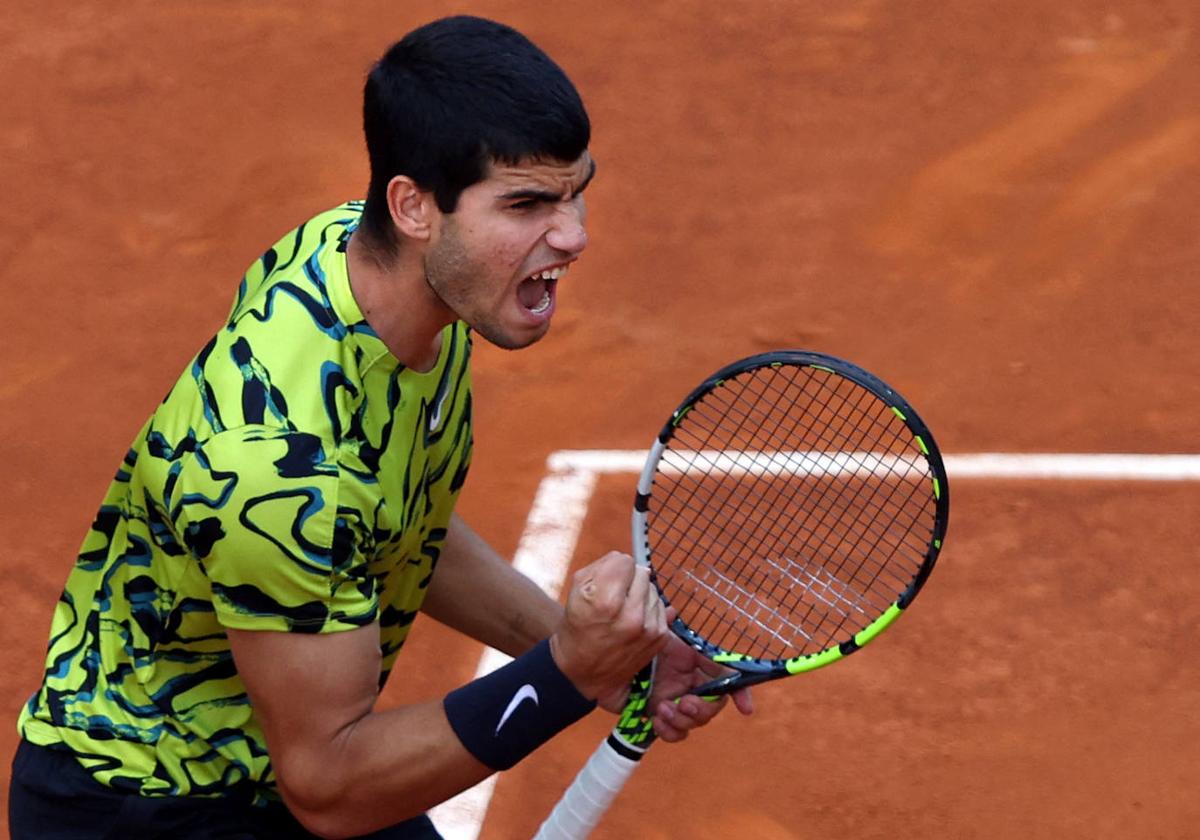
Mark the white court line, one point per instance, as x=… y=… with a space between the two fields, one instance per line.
x=1115 y=467
x=560 y=505
x=1083 y=466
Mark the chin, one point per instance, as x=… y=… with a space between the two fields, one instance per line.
x=513 y=340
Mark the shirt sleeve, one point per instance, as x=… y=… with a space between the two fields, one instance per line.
x=258 y=509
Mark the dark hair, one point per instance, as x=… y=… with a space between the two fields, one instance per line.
x=455 y=95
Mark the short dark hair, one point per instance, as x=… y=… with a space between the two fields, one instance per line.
x=454 y=96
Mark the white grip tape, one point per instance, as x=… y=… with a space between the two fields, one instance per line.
x=589 y=796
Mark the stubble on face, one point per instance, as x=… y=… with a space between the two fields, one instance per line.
x=509 y=224
x=455 y=277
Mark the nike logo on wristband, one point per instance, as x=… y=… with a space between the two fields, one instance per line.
x=525 y=692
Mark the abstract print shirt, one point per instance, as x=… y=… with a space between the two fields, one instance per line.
x=297 y=478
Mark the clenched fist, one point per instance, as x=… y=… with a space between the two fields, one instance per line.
x=614 y=625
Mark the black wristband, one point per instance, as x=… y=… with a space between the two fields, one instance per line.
x=504 y=716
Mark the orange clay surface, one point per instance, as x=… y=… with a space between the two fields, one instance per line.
x=993 y=206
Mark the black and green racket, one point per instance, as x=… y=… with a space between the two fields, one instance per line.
x=790 y=510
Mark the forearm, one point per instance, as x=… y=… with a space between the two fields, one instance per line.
x=415 y=757
x=382 y=769
x=478 y=593
x=346 y=769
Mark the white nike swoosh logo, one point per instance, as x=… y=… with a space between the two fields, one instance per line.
x=525 y=692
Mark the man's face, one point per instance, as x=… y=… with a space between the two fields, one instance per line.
x=496 y=260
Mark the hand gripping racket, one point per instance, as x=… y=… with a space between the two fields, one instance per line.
x=790 y=510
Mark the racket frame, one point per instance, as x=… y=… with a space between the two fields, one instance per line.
x=592 y=792
x=749 y=670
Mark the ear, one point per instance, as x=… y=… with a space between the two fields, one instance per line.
x=413 y=210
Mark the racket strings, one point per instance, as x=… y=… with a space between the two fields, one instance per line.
x=787 y=512
x=845 y=601
x=815 y=583
x=704 y=462
x=874 y=510
x=762 y=503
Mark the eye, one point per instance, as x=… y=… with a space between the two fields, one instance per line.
x=524 y=204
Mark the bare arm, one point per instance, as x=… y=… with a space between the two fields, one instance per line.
x=344 y=769
x=515 y=613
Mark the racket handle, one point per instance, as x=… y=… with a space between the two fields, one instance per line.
x=592 y=792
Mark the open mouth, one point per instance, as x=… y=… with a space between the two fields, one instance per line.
x=536 y=292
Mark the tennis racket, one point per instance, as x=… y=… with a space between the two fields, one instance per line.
x=790 y=510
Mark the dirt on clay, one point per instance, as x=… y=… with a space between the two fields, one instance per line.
x=991 y=206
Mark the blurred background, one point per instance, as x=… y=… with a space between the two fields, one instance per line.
x=991 y=205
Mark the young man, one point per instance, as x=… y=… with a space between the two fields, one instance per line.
x=251 y=576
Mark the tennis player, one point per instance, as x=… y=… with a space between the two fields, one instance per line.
x=284 y=514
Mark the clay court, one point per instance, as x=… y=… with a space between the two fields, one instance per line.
x=992 y=206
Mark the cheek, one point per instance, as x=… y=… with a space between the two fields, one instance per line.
x=510 y=251
x=503 y=254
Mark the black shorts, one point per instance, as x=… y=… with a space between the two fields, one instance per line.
x=51 y=797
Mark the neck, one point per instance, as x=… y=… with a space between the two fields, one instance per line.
x=397 y=302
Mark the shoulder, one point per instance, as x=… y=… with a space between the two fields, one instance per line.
x=289 y=343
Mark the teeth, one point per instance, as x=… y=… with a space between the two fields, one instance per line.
x=542 y=305
x=551 y=273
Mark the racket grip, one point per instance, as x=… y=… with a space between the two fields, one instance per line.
x=592 y=792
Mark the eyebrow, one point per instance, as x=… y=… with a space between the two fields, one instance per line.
x=548 y=195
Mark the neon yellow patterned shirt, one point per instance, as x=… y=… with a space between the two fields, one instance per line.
x=296 y=478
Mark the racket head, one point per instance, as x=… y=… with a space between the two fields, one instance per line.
x=791 y=509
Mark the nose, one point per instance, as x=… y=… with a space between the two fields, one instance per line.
x=568 y=232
